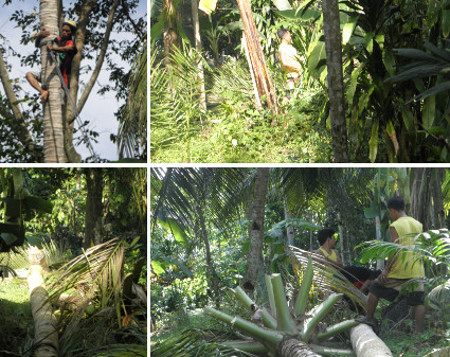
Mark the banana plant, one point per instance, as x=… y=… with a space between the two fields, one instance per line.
x=18 y=206
x=282 y=331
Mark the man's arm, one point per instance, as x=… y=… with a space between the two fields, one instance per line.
x=383 y=276
x=68 y=47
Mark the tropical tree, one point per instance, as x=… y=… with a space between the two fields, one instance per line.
x=53 y=120
x=331 y=27
x=132 y=133
x=95 y=22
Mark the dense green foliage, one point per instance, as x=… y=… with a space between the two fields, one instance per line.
x=395 y=82
x=98 y=292
x=347 y=200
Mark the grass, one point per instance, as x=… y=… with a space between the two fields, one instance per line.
x=246 y=135
x=15 y=318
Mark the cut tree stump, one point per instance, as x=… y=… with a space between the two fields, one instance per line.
x=367 y=344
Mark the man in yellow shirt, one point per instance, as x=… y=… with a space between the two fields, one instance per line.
x=327 y=247
x=400 y=272
x=289 y=58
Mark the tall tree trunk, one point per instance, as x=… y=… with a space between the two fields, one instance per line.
x=198 y=46
x=345 y=251
x=335 y=82
x=94 y=208
x=170 y=35
x=53 y=123
x=212 y=274
x=258 y=63
x=438 y=201
x=45 y=329
x=421 y=197
x=289 y=230
x=20 y=127
x=254 y=268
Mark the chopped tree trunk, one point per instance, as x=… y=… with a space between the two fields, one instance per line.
x=255 y=53
x=45 y=329
x=367 y=344
x=291 y=347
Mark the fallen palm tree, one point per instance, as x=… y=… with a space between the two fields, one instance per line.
x=293 y=332
x=45 y=342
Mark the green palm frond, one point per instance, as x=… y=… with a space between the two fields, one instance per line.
x=132 y=134
x=325 y=275
x=435 y=63
x=190 y=343
x=118 y=350
x=432 y=247
x=99 y=272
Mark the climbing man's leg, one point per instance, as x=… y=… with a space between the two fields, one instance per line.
x=33 y=79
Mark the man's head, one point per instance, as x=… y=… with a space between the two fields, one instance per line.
x=285 y=35
x=396 y=206
x=68 y=29
x=324 y=235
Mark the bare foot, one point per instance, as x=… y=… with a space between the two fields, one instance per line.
x=44 y=96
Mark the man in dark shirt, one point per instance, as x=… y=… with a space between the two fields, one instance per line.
x=66 y=50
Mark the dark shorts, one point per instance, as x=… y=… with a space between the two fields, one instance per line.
x=412 y=298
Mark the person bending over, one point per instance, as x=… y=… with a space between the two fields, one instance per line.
x=400 y=273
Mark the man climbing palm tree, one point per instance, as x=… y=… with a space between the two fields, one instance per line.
x=65 y=47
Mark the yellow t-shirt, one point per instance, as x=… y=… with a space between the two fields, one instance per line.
x=333 y=256
x=290 y=55
x=406 y=268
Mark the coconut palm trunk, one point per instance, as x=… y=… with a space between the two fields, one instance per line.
x=256 y=230
x=45 y=330
x=335 y=79
x=53 y=124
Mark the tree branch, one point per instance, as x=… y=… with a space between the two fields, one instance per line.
x=100 y=58
x=22 y=131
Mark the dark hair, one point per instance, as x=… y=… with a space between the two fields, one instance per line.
x=324 y=234
x=281 y=32
x=396 y=203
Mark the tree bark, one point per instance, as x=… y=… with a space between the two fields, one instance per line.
x=421 y=197
x=170 y=35
x=438 y=201
x=21 y=129
x=212 y=274
x=289 y=230
x=53 y=123
x=256 y=230
x=94 y=208
x=367 y=344
x=45 y=329
x=331 y=27
x=291 y=347
x=198 y=46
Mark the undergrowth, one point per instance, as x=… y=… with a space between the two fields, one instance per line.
x=15 y=318
x=232 y=129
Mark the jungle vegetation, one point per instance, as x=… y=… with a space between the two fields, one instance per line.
x=395 y=62
x=226 y=241
x=84 y=230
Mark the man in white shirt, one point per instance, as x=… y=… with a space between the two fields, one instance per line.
x=289 y=58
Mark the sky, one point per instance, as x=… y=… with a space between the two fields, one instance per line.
x=99 y=109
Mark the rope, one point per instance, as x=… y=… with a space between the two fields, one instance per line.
x=77 y=115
